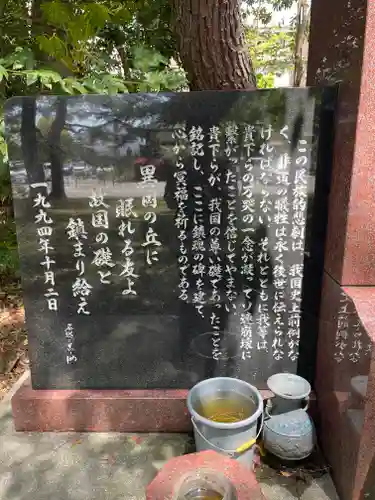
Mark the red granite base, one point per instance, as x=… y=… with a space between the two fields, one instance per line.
x=100 y=410
x=364 y=483
x=339 y=441
x=105 y=410
x=346 y=424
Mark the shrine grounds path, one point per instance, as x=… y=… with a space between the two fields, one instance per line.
x=102 y=466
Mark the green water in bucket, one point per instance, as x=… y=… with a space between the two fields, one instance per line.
x=226 y=407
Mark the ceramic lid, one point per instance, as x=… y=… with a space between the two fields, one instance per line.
x=289 y=386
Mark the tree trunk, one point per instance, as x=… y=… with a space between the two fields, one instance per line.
x=300 y=42
x=211 y=44
x=29 y=142
x=55 y=150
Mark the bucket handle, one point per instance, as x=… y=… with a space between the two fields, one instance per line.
x=232 y=453
x=307 y=405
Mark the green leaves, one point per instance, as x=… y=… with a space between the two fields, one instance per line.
x=17 y=65
x=3 y=73
x=114 y=84
x=101 y=46
x=101 y=84
x=53 y=45
x=121 y=15
x=20 y=58
x=73 y=38
x=163 y=80
x=47 y=78
x=3 y=146
x=57 y=13
x=73 y=86
x=271 y=51
x=31 y=78
x=146 y=59
x=153 y=72
x=96 y=14
x=265 y=81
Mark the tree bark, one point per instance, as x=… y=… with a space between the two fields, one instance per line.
x=300 y=41
x=211 y=44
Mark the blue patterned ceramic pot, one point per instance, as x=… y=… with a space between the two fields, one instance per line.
x=290 y=435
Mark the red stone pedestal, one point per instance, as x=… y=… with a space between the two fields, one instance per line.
x=59 y=410
x=100 y=410
x=347 y=423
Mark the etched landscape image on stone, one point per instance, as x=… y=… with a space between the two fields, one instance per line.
x=166 y=238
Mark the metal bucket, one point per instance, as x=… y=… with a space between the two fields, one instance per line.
x=236 y=439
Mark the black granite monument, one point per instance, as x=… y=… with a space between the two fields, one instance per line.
x=165 y=238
